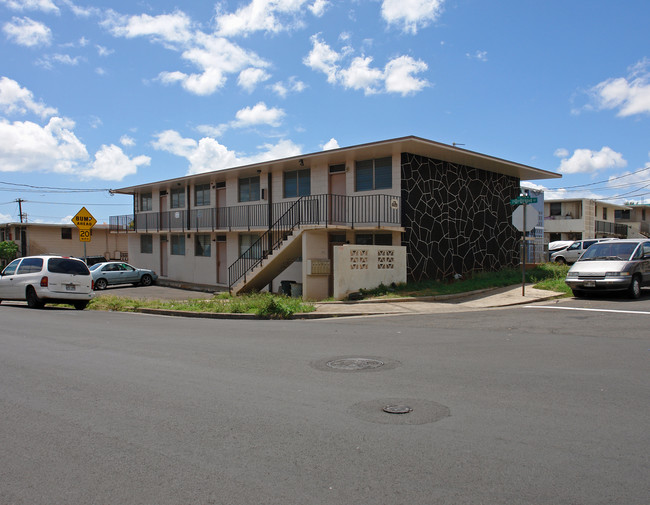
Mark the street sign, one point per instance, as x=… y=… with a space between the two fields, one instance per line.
x=523 y=199
x=532 y=216
x=84 y=219
x=84 y=235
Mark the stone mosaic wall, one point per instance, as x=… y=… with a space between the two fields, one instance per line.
x=457 y=218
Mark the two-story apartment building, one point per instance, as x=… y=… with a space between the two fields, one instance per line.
x=579 y=218
x=449 y=207
x=637 y=217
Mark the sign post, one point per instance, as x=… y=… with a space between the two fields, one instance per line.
x=519 y=221
x=84 y=221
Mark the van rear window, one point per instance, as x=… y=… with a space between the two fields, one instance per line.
x=67 y=266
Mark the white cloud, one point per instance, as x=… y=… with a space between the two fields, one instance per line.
x=47 y=6
x=111 y=164
x=629 y=95
x=561 y=153
x=211 y=130
x=15 y=99
x=6 y=218
x=411 y=14
x=208 y=154
x=258 y=114
x=48 y=61
x=479 y=55
x=249 y=78
x=104 y=51
x=127 y=141
x=294 y=85
x=319 y=7
x=397 y=76
x=588 y=162
x=27 y=32
x=29 y=147
x=272 y=16
x=331 y=144
x=176 y=27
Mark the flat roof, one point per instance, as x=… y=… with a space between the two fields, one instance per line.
x=411 y=144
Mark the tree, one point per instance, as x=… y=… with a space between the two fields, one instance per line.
x=8 y=250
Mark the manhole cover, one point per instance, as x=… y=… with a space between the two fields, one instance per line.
x=397 y=409
x=355 y=363
x=352 y=364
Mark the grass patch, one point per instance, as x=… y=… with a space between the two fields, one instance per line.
x=261 y=304
x=546 y=276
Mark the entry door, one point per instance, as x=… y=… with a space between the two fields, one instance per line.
x=222 y=265
x=220 y=205
x=163 y=255
x=337 y=198
x=164 y=215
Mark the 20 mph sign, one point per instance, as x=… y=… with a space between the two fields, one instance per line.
x=84 y=221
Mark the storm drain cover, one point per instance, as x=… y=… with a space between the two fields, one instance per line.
x=355 y=363
x=349 y=364
x=397 y=409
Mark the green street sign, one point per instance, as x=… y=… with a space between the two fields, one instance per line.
x=520 y=200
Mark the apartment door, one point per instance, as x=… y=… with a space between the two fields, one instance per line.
x=222 y=260
x=220 y=209
x=163 y=255
x=337 y=198
x=163 y=214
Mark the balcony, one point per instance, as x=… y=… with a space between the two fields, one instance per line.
x=611 y=229
x=317 y=210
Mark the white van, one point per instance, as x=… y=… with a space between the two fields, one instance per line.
x=47 y=279
x=573 y=252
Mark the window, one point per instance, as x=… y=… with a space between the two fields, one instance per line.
x=10 y=269
x=67 y=266
x=146 y=244
x=556 y=208
x=373 y=239
x=334 y=169
x=297 y=183
x=178 y=198
x=374 y=174
x=66 y=233
x=202 y=245
x=643 y=214
x=178 y=245
x=246 y=240
x=145 y=202
x=201 y=194
x=622 y=214
x=30 y=265
x=249 y=189
x=605 y=213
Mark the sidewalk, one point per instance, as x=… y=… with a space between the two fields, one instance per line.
x=476 y=300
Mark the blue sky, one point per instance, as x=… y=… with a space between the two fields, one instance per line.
x=105 y=94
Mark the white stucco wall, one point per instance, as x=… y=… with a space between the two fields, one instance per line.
x=361 y=266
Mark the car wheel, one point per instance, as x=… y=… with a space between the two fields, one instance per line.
x=578 y=293
x=146 y=280
x=634 y=291
x=80 y=305
x=100 y=284
x=33 y=301
x=560 y=260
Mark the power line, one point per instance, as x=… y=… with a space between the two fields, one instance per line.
x=602 y=182
x=53 y=189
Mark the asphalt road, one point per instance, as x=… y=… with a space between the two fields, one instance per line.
x=510 y=406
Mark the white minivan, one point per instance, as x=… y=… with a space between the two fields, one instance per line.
x=47 y=279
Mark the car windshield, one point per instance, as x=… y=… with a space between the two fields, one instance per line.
x=609 y=251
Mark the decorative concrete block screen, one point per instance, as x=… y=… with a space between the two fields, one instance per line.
x=367 y=266
x=456 y=218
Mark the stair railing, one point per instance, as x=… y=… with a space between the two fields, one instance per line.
x=268 y=242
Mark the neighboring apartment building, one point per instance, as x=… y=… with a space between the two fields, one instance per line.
x=579 y=218
x=448 y=207
x=637 y=217
x=63 y=239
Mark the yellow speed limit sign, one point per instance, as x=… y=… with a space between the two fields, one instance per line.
x=84 y=235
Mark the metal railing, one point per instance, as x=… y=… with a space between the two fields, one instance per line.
x=381 y=210
x=615 y=229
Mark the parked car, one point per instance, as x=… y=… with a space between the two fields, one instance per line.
x=557 y=245
x=573 y=252
x=117 y=272
x=47 y=279
x=616 y=265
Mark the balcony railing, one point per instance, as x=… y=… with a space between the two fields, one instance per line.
x=614 y=229
x=380 y=210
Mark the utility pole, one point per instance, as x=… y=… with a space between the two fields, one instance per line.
x=20 y=208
